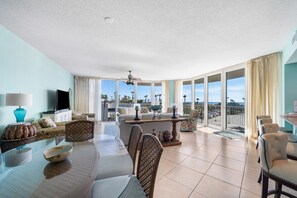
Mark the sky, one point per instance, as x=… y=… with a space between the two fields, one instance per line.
x=235 y=90
x=109 y=87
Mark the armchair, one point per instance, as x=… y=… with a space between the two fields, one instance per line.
x=190 y=125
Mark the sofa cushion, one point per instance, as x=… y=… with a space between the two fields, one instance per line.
x=46 y=122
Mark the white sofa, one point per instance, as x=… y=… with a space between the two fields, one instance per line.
x=125 y=129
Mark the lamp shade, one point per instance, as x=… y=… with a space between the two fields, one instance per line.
x=18 y=99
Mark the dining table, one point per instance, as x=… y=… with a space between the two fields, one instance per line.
x=72 y=177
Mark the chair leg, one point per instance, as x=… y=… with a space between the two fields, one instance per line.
x=264 y=186
x=278 y=189
x=260 y=177
x=257 y=145
x=258 y=159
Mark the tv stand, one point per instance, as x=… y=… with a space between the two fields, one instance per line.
x=59 y=116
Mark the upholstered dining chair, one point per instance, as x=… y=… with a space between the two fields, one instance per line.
x=190 y=124
x=273 y=128
x=275 y=165
x=141 y=185
x=117 y=165
x=257 y=124
x=79 y=131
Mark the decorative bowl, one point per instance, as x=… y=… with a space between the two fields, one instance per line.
x=58 y=153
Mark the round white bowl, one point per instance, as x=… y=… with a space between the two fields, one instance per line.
x=58 y=153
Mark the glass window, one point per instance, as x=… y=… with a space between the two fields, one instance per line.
x=126 y=94
x=187 y=96
x=144 y=93
x=158 y=93
x=235 y=98
x=199 y=99
x=214 y=100
x=108 y=96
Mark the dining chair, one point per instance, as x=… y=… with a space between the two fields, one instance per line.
x=141 y=185
x=275 y=164
x=273 y=128
x=79 y=131
x=134 y=140
x=122 y=164
x=257 y=124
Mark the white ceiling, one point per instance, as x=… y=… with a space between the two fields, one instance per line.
x=156 y=39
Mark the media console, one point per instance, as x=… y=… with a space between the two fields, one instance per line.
x=59 y=116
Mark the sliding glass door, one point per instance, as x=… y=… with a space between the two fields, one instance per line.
x=199 y=99
x=214 y=100
x=187 y=97
x=235 y=100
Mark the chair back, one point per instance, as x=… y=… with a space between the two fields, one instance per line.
x=135 y=136
x=268 y=128
x=272 y=147
x=78 y=131
x=261 y=117
x=194 y=114
x=148 y=162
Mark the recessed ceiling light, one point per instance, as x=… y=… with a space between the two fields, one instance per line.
x=108 y=20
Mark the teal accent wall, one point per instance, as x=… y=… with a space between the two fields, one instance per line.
x=23 y=69
x=171 y=92
x=290 y=90
x=289 y=78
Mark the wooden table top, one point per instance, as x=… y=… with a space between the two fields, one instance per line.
x=155 y=120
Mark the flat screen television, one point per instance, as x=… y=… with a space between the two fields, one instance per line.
x=62 y=100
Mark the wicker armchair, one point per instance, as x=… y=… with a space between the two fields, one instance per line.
x=78 y=131
x=190 y=125
x=141 y=185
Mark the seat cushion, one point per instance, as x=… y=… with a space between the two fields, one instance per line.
x=114 y=165
x=285 y=169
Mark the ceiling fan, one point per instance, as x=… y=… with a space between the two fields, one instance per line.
x=131 y=79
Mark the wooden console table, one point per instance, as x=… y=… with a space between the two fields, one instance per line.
x=173 y=140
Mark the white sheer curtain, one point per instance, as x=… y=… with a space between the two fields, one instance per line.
x=263 y=90
x=178 y=96
x=81 y=94
x=87 y=96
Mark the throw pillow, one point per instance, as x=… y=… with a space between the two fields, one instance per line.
x=47 y=122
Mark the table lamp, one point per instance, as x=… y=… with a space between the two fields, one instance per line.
x=137 y=108
x=19 y=99
x=173 y=111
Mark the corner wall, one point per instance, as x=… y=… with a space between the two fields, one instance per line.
x=289 y=78
x=23 y=69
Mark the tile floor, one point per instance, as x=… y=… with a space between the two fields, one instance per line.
x=208 y=165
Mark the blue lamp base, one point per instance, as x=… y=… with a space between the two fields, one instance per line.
x=20 y=114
